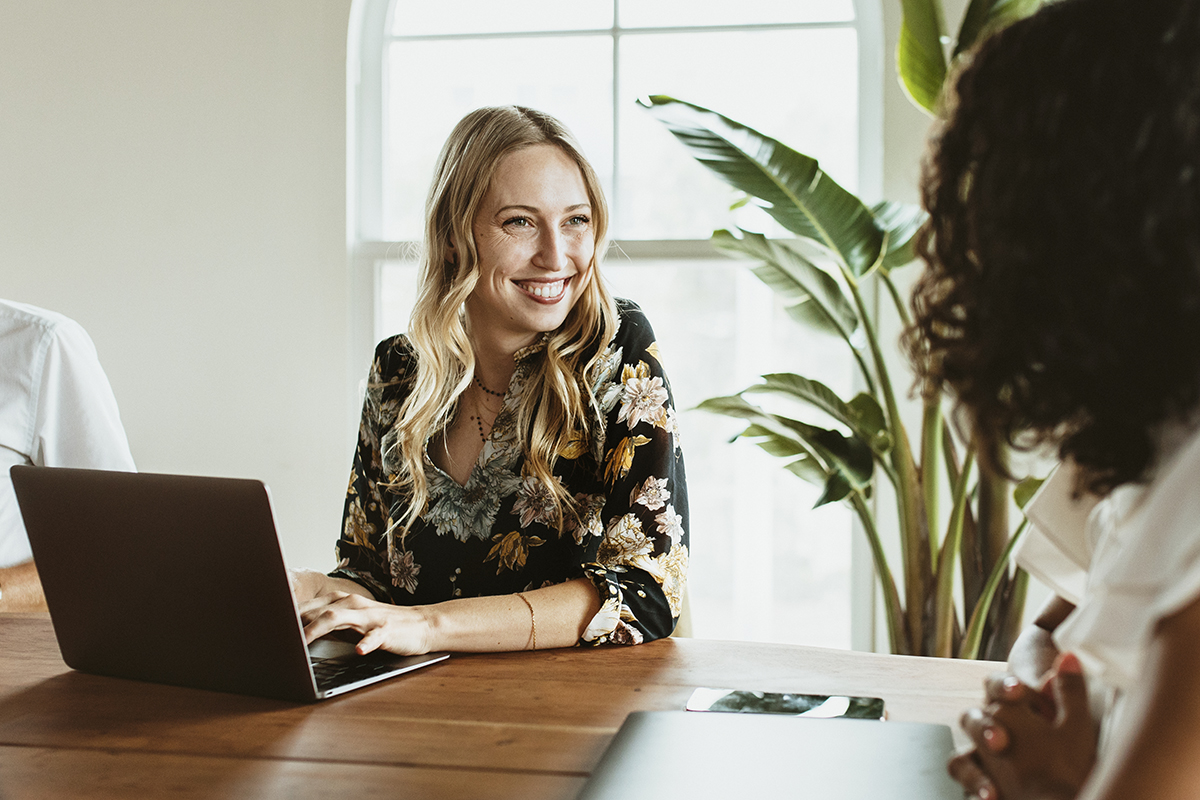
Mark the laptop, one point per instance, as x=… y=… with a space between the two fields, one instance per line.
x=180 y=580
x=662 y=755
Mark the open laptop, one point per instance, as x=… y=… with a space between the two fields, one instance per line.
x=661 y=755
x=180 y=580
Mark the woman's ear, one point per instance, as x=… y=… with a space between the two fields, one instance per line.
x=451 y=254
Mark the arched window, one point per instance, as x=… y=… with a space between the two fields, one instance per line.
x=809 y=72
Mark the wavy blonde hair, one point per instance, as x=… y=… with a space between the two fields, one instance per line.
x=556 y=408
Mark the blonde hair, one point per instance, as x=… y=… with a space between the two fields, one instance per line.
x=558 y=393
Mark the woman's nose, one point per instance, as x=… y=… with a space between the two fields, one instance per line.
x=552 y=252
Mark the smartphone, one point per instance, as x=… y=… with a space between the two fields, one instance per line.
x=798 y=705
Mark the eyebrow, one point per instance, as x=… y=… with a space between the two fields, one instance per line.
x=535 y=210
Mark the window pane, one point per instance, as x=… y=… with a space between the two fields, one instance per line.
x=667 y=13
x=765 y=565
x=433 y=84
x=799 y=86
x=487 y=16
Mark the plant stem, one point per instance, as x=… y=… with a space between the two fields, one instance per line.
x=994 y=494
x=971 y=562
x=931 y=440
x=914 y=541
x=862 y=368
x=897 y=640
x=901 y=310
x=974 y=634
x=944 y=616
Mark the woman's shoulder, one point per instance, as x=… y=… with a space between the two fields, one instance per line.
x=633 y=324
x=395 y=359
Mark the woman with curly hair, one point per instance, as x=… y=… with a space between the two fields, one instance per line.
x=1061 y=305
x=518 y=482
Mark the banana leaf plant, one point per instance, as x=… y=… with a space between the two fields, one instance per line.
x=846 y=251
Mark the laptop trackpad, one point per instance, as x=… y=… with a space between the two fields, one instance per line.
x=334 y=645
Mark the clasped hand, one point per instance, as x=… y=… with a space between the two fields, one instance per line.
x=1029 y=743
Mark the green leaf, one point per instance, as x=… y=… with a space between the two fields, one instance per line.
x=789 y=186
x=814 y=393
x=919 y=55
x=807 y=469
x=847 y=454
x=735 y=406
x=837 y=452
x=809 y=314
x=864 y=417
x=776 y=445
x=985 y=17
x=900 y=221
x=836 y=488
x=792 y=276
x=871 y=422
x=1025 y=490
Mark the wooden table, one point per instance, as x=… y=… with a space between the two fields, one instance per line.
x=514 y=725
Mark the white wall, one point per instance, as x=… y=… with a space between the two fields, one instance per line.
x=172 y=175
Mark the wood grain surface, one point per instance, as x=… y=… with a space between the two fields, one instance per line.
x=509 y=725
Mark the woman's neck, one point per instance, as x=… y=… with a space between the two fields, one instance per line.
x=494 y=363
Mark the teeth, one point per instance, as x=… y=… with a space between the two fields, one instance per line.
x=544 y=290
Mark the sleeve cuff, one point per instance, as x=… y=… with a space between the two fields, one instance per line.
x=377 y=589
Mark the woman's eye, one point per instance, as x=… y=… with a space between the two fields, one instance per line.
x=578 y=219
x=518 y=222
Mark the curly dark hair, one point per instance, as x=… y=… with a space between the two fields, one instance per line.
x=1061 y=298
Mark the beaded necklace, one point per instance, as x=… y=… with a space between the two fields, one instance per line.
x=479 y=418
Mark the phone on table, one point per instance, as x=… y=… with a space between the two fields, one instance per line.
x=798 y=705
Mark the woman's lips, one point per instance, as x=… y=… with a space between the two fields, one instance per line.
x=544 y=291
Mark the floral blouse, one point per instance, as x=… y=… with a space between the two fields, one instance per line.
x=497 y=534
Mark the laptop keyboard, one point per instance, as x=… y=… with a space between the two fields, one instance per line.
x=331 y=672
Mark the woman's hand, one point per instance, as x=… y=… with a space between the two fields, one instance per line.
x=1030 y=743
x=308 y=584
x=404 y=630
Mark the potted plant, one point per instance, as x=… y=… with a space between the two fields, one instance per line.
x=845 y=250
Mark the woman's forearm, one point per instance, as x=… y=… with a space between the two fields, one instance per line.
x=555 y=615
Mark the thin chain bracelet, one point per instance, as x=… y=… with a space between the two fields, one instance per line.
x=532 y=619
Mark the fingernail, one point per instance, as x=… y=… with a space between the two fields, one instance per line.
x=1068 y=664
x=1010 y=684
x=989 y=734
x=984 y=793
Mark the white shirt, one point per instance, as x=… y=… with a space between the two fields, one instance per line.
x=1127 y=562
x=56 y=409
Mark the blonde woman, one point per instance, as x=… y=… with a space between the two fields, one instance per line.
x=518 y=482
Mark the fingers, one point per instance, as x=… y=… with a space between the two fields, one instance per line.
x=1003 y=687
x=965 y=769
x=370 y=642
x=985 y=731
x=332 y=612
x=1007 y=688
x=1069 y=689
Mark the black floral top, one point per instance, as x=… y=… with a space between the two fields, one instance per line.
x=497 y=534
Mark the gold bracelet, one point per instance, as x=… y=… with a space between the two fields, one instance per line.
x=532 y=620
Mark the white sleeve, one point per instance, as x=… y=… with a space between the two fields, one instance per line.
x=1056 y=549
x=77 y=423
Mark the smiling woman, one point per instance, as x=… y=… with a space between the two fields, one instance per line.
x=535 y=245
x=517 y=482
